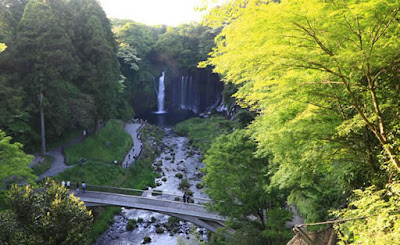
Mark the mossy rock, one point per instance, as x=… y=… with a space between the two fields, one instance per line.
x=131 y=225
x=160 y=230
x=184 y=185
x=199 y=186
x=146 y=239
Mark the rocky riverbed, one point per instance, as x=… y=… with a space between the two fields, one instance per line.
x=178 y=162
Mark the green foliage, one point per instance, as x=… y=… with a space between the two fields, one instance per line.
x=13 y=163
x=94 y=173
x=184 y=46
x=159 y=230
x=236 y=181
x=199 y=186
x=42 y=167
x=146 y=240
x=179 y=175
x=3 y=205
x=49 y=215
x=379 y=213
x=321 y=76
x=202 y=132
x=102 y=222
x=2 y=47
x=132 y=224
x=110 y=144
x=65 y=50
x=184 y=185
x=139 y=175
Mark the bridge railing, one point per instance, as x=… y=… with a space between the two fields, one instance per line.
x=117 y=190
x=137 y=192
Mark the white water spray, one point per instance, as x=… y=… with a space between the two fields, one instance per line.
x=161 y=94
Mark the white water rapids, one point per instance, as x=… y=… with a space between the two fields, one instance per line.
x=177 y=157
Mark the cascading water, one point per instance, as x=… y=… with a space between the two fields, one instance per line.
x=161 y=94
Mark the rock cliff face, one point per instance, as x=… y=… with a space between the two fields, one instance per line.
x=198 y=91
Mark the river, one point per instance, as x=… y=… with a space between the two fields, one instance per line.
x=178 y=157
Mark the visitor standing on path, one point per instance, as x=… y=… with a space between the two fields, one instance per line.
x=68 y=184
x=83 y=186
x=184 y=197
x=77 y=188
x=63 y=183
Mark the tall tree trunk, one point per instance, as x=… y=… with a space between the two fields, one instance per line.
x=42 y=127
x=96 y=125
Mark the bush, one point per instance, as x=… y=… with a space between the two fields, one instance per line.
x=153 y=219
x=160 y=230
x=140 y=220
x=184 y=185
x=178 y=199
x=146 y=239
x=132 y=224
x=164 y=179
x=173 y=220
x=199 y=186
x=179 y=175
x=189 y=193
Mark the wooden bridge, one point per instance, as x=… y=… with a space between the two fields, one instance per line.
x=194 y=213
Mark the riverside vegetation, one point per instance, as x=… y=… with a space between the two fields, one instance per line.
x=319 y=76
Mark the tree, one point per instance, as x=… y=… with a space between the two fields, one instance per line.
x=14 y=163
x=45 y=64
x=373 y=216
x=344 y=51
x=48 y=215
x=2 y=47
x=235 y=180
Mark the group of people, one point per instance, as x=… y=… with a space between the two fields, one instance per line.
x=138 y=120
x=68 y=185
x=185 y=198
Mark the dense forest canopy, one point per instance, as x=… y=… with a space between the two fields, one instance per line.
x=146 y=51
x=65 y=52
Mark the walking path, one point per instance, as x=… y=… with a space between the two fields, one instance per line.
x=59 y=159
x=59 y=166
x=130 y=158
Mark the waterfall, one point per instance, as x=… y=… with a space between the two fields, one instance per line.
x=161 y=94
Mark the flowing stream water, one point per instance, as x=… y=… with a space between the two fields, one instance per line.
x=177 y=157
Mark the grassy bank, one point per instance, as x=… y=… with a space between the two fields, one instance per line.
x=138 y=176
x=104 y=217
x=110 y=144
x=42 y=167
x=203 y=131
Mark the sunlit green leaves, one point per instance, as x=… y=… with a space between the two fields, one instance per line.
x=376 y=214
x=49 y=215
x=13 y=163
x=2 y=47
